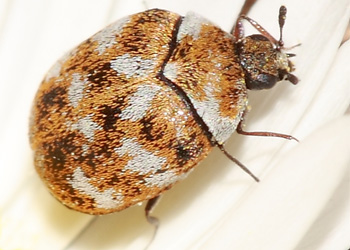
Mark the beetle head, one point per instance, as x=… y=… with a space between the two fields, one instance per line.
x=264 y=62
x=262 y=57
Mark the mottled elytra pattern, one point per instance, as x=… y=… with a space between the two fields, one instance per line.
x=205 y=66
x=107 y=133
x=133 y=109
x=130 y=111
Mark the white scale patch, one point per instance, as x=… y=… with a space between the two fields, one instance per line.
x=133 y=66
x=106 y=37
x=139 y=103
x=191 y=26
x=209 y=110
x=107 y=199
x=85 y=148
x=86 y=126
x=54 y=71
x=170 y=71
x=282 y=61
x=143 y=161
x=165 y=179
x=56 y=68
x=76 y=88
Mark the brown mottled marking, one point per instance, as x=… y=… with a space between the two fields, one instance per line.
x=130 y=111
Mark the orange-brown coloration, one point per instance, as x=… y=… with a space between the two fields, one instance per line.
x=167 y=130
x=208 y=70
x=130 y=111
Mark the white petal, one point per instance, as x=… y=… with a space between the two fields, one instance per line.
x=34 y=34
x=281 y=209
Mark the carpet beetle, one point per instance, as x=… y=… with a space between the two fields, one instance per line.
x=134 y=108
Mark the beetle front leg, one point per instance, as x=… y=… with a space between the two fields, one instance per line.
x=238 y=30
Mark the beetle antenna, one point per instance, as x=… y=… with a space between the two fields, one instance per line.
x=281 y=21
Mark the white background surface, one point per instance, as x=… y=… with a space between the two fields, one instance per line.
x=302 y=201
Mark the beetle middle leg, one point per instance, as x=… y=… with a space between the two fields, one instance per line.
x=240 y=130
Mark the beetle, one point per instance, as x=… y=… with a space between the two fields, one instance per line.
x=134 y=108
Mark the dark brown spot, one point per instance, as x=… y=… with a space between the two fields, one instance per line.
x=57 y=158
x=77 y=200
x=105 y=151
x=113 y=181
x=54 y=97
x=183 y=154
x=110 y=116
x=150 y=132
x=58 y=151
x=182 y=52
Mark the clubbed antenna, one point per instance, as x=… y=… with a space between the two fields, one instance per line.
x=238 y=31
x=281 y=21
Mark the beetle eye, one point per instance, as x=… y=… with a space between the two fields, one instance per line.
x=262 y=81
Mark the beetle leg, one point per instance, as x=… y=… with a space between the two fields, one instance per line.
x=148 y=209
x=151 y=219
x=237 y=30
x=238 y=33
x=244 y=168
x=240 y=130
x=248 y=4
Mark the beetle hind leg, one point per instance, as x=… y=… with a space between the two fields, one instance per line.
x=241 y=165
x=151 y=219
